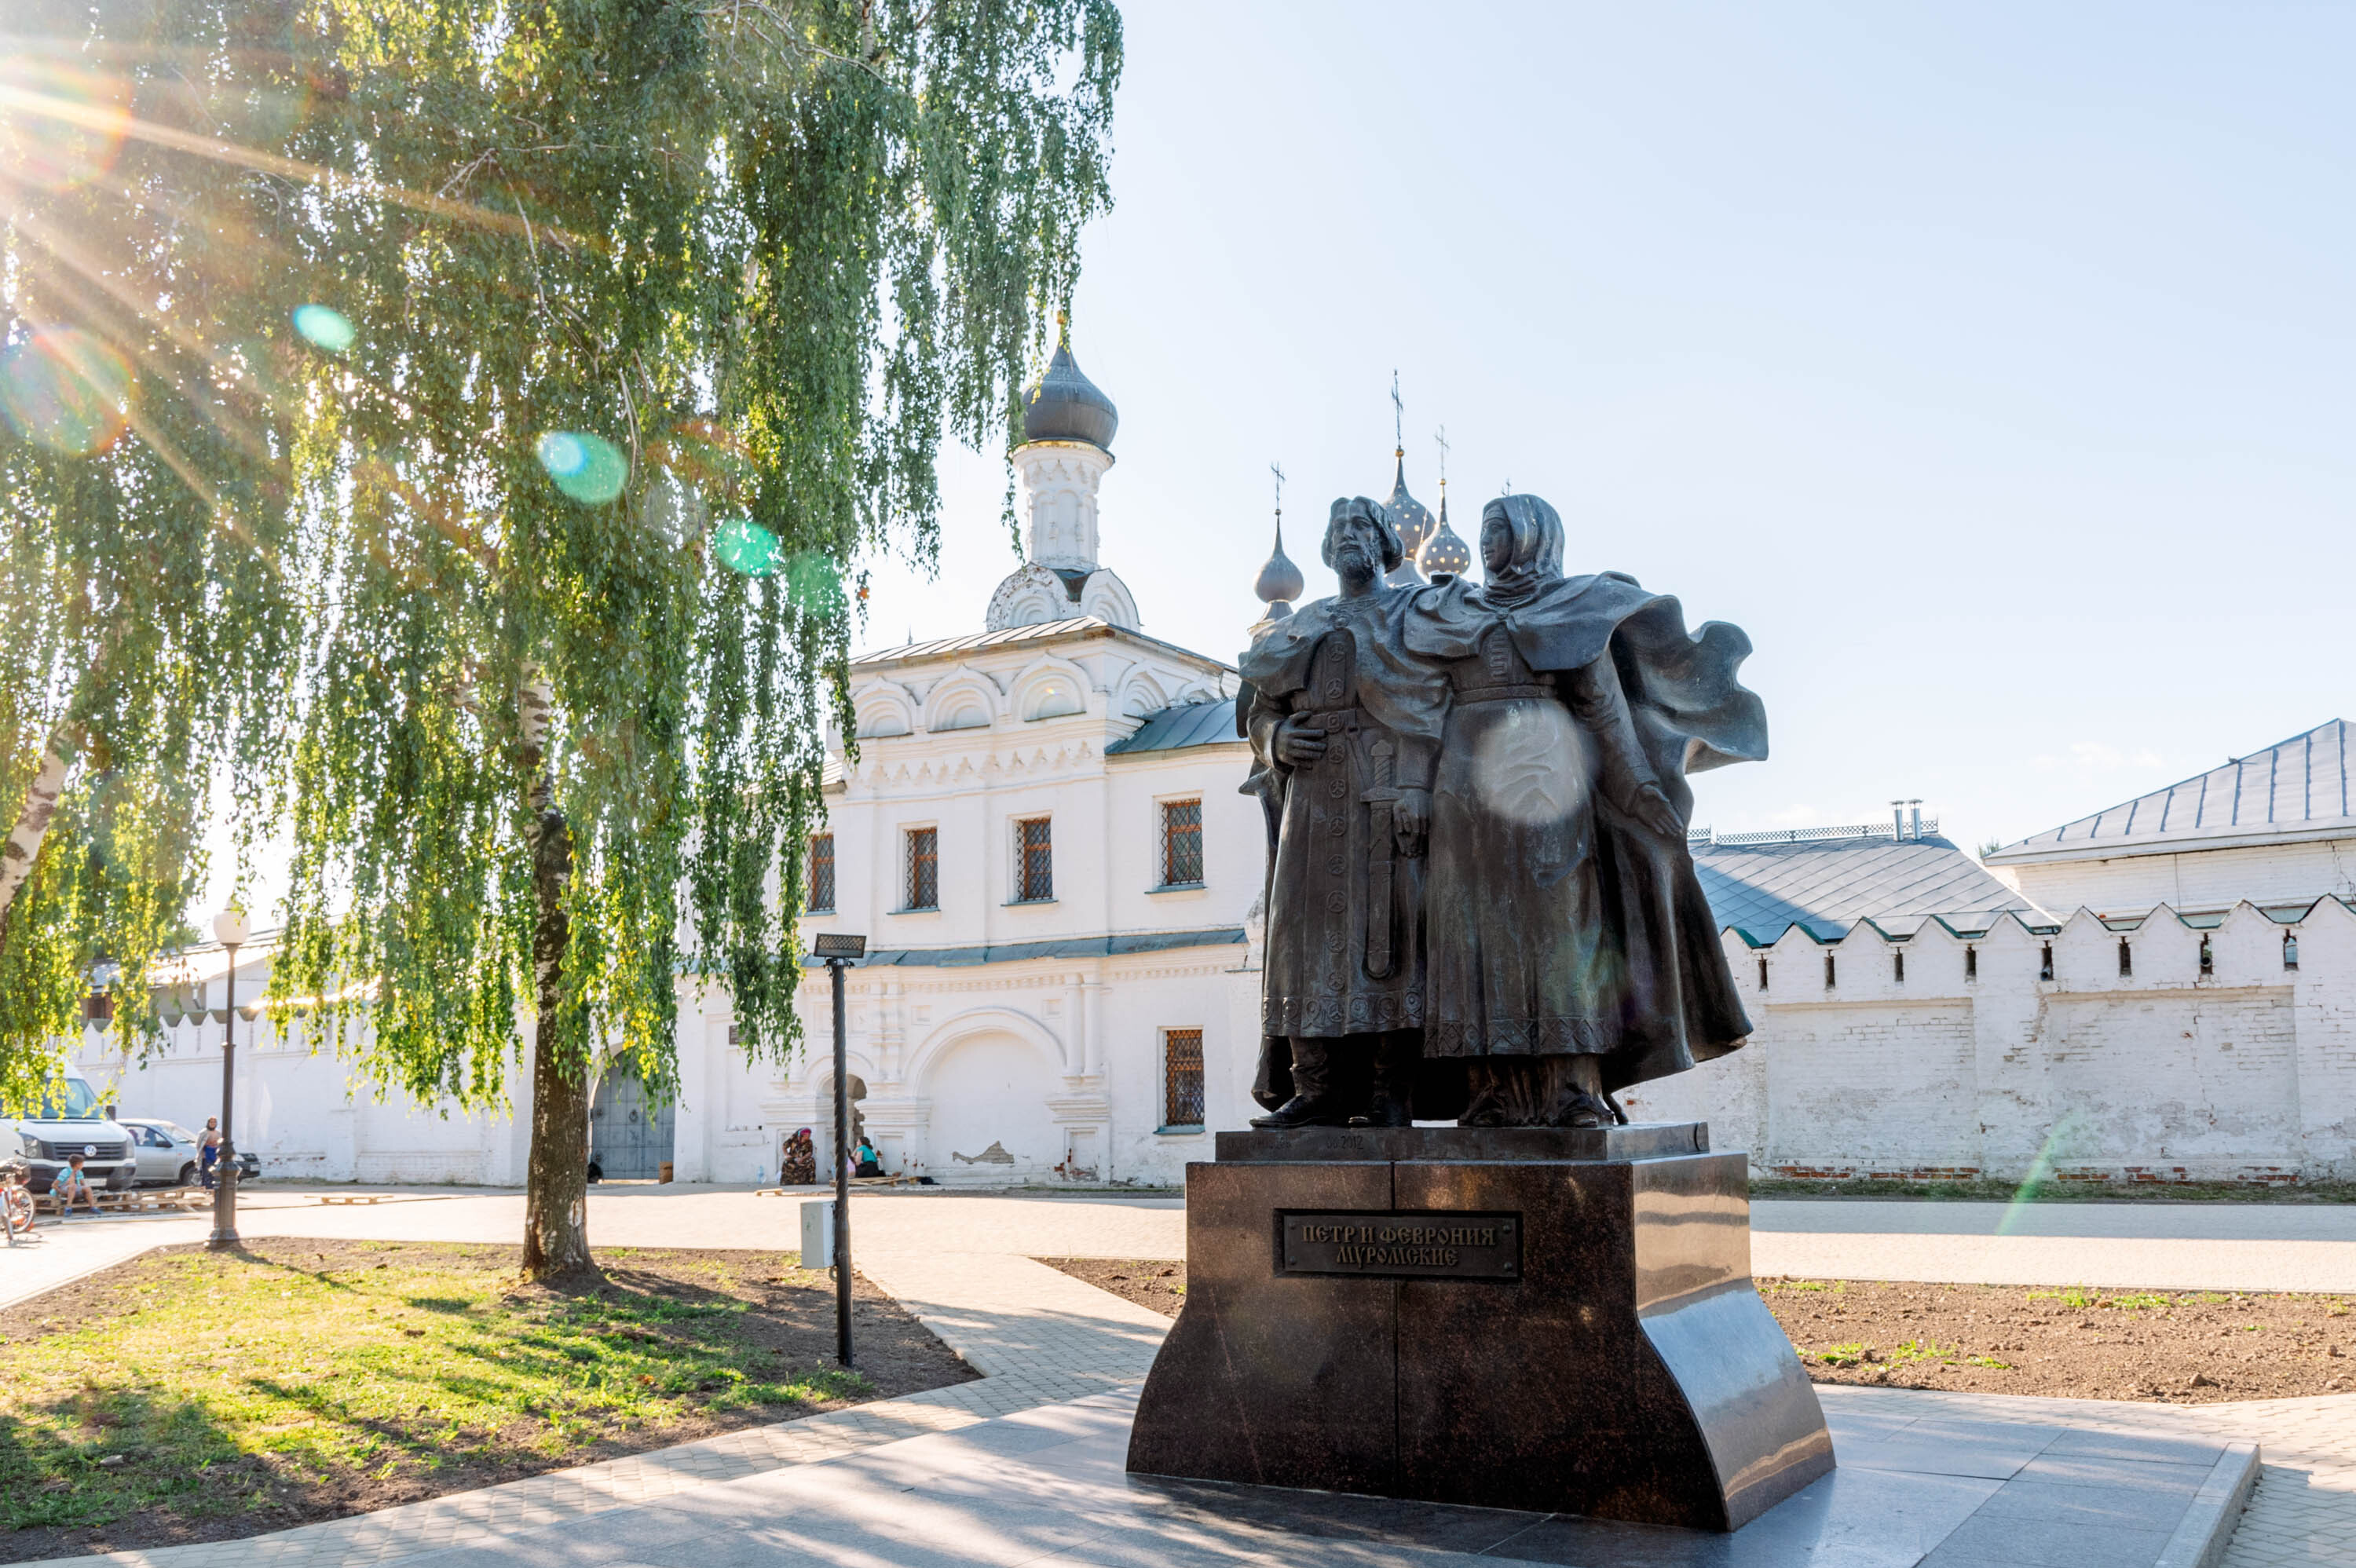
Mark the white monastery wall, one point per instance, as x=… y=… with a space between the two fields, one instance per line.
x=2246 y=1071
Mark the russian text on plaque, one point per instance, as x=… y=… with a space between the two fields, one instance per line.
x=1411 y=1244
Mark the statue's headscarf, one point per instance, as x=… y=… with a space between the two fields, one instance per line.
x=1537 y=557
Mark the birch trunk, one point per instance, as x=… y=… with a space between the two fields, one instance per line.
x=556 y=1172
x=23 y=842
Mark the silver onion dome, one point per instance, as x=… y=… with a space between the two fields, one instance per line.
x=1064 y=405
x=1280 y=581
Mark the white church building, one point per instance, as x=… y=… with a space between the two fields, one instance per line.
x=1043 y=840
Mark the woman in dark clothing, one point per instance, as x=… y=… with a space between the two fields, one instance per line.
x=798 y=1167
x=1572 y=951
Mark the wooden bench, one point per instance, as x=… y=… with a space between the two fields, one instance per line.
x=136 y=1201
x=816 y=1191
x=332 y=1198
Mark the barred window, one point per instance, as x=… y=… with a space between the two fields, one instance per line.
x=924 y=867
x=1181 y=843
x=1034 y=860
x=821 y=873
x=1182 y=1077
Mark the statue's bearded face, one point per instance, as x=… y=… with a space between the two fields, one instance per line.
x=1354 y=544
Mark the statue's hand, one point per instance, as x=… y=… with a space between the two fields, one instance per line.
x=1651 y=808
x=1411 y=821
x=1298 y=741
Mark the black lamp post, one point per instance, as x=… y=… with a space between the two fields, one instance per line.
x=840 y=952
x=229 y=926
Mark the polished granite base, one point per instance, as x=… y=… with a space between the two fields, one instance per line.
x=1519 y=1318
x=1049 y=1487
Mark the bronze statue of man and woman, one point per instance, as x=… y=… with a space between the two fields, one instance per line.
x=1480 y=903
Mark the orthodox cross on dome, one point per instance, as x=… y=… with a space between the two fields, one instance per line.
x=1280 y=580
x=1410 y=517
x=1444 y=551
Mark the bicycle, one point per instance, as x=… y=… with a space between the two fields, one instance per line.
x=15 y=1199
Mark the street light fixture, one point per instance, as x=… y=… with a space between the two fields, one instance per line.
x=840 y=950
x=231 y=928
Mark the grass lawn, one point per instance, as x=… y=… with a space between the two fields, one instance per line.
x=191 y=1395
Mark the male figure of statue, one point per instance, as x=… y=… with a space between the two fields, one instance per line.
x=1347 y=727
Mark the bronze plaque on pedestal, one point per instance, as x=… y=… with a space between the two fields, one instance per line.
x=1402 y=1244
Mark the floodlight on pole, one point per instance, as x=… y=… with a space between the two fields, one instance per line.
x=839 y=949
x=231 y=928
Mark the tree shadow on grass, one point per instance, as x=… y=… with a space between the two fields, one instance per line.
x=172 y=1452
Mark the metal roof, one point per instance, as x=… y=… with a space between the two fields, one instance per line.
x=2298 y=788
x=1192 y=724
x=1828 y=885
x=1014 y=636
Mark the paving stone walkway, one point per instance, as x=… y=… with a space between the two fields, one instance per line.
x=2304 y=1512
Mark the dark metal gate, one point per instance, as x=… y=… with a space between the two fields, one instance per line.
x=628 y=1137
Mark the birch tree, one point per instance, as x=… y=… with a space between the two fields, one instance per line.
x=616 y=333
x=144 y=624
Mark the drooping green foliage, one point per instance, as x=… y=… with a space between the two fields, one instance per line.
x=148 y=628
x=594 y=344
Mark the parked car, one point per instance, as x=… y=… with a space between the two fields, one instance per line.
x=69 y=1121
x=168 y=1152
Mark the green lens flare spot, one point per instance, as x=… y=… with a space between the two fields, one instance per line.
x=66 y=390
x=323 y=327
x=745 y=547
x=814 y=580
x=589 y=469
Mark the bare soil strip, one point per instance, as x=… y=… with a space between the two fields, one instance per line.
x=2178 y=1347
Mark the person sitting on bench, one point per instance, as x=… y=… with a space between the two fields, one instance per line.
x=71 y=1183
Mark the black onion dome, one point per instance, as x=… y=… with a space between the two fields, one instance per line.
x=1064 y=405
x=1444 y=551
x=1415 y=525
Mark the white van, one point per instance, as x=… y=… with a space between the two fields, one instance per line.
x=69 y=1121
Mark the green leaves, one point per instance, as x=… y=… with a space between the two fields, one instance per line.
x=467 y=350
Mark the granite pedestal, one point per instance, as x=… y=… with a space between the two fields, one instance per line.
x=1552 y=1320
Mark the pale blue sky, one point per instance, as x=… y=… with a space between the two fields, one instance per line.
x=1989 y=364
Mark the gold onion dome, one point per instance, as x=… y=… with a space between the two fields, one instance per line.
x=1064 y=405
x=1444 y=551
x=1414 y=521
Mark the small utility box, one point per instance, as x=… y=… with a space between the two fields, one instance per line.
x=818 y=1234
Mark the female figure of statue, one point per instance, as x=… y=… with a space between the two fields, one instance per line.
x=1570 y=949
